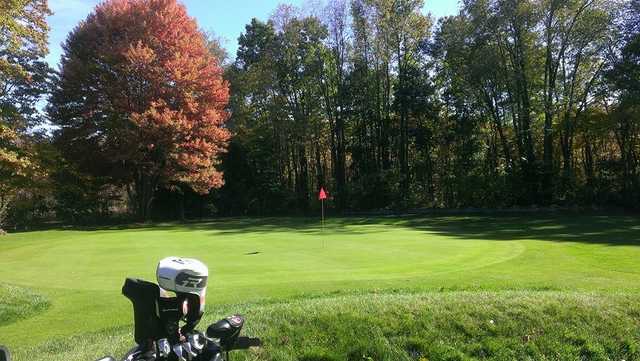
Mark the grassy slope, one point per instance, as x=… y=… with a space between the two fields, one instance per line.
x=511 y=325
x=81 y=272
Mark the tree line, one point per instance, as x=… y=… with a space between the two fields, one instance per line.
x=508 y=103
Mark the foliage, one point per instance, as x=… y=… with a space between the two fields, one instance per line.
x=81 y=198
x=498 y=108
x=23 y=72
x=507 y=103
x=144 y=107
x=18 y=168
x=280 y=72
x=23 y=81
x=623 y=75
x=291 y=88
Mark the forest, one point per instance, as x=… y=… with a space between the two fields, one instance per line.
x=509 y=103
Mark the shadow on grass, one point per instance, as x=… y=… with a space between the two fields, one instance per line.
x=222 y=226
x=614 y=230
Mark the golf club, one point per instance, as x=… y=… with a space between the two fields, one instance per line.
x=187 y=348
x=164 y=348
x=197 y=342
x=177 y=349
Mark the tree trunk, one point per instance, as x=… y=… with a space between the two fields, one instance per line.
x=589 y=166
x=386 y=120
x=567 y=156
x=320 y=177
x=302 y=180
x=145 y=187
x=550 y=75
x=181 y=212
x=340 y=166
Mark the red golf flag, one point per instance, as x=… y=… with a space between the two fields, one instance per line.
x=323 y=195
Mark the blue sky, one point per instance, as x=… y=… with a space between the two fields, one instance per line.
x=225 y=18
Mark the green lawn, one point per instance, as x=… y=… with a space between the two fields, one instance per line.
x=70 y=281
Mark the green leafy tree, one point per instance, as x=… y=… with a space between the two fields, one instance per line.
x=624 y=75
x=23 y=72
x=23 y=80
x=506 y=105
x=18 y=170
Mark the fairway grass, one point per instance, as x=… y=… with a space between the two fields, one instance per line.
x=276 y=262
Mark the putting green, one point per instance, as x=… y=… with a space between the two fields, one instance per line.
x=80 y=272
x=100 y=260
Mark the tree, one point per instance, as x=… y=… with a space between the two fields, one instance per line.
x=625 y=70
x=299 y=67
x=17 y=168
x=216 y=47
x=334 y=92
x=258 y=161
x=624 y=75
x=141 y=99
x=23 y=72
x=23 y=80
x=410 y=31
x=562 y=19
x=506 y=106
x=277 y=106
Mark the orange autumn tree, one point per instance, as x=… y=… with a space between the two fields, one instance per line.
x=141 y=101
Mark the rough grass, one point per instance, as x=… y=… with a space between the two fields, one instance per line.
x=430 y=326
x=17 y=303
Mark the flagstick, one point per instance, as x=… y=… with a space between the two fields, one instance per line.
x=322 y=235
x=322 y=196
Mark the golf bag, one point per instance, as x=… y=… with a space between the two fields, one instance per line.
x=165 y=323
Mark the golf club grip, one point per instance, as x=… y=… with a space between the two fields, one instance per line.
x=243 y=343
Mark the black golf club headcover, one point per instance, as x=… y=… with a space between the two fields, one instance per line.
x=143 y=296
x=4 y=354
